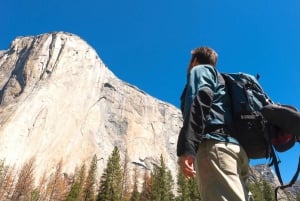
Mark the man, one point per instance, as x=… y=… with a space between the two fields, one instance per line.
x=204 y=148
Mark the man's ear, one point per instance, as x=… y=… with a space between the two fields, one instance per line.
x=194 y=62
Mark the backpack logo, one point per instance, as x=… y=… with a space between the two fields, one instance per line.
x=245 y=116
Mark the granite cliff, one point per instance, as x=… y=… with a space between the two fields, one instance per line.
x=60 y=102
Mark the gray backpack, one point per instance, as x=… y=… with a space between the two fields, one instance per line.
x=260 y=126
x=248 y=126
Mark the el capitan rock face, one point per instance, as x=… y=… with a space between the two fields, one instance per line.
x=60 y=102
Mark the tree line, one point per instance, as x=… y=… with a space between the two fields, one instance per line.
x=115 y=184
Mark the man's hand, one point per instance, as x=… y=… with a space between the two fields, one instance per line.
x=186 y=164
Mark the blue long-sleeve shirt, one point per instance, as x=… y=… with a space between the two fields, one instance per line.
x=206 y=107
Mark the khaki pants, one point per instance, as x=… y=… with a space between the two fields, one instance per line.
x=222 y=171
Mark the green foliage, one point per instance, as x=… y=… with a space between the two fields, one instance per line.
x=135 y=196
x=256 y=190
x=35 y=195
x=146 y=193
x=157 y=185
x=298 y=197
x=2 y=169
x=111 y=181
x=268 y=192
x=56 y=188
x=262 y=191
x=187 y=189
x=75 y=193
x=162 y=183
x=194 y=190
x=182 y=188
x=89 y=187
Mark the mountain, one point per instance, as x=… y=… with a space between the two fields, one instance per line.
x=60 y=102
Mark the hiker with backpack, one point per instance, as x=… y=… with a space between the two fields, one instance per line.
x=205 y=148
x=229 y=119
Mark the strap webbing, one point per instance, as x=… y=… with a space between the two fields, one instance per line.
x=293 y=180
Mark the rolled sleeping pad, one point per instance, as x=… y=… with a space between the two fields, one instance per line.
x=284 y=116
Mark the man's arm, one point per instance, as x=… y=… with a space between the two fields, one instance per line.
x=198 y=100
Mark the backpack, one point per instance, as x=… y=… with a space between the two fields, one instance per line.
x=248 y=125
x=257 y=123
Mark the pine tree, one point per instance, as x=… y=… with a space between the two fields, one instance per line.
x=7 y=180
x=146 y=193
x=187 y=188
x=57 y=187
x=41 y=188
x=135 y=195
x=2 y=171
x=89 y=186
x=169 y=186
x=2 y=178
x=162 y=183
x=9 y=183
x=268 y=192
x=194 y=190
x=182 y=188
x=111 y=181
x=256 y=190
x=25 y=182
x=126 y=183
x=75 y=193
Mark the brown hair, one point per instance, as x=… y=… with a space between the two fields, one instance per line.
x=204 y=55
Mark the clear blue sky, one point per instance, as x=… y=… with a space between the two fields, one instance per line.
x=147 y=42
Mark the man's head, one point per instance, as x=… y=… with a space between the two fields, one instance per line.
x=203 y=55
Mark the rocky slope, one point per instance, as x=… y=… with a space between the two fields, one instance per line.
x=264 y=172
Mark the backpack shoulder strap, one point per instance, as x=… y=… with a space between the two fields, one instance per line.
x=291 y=183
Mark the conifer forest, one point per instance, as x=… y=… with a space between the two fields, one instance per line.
x=115 y=184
